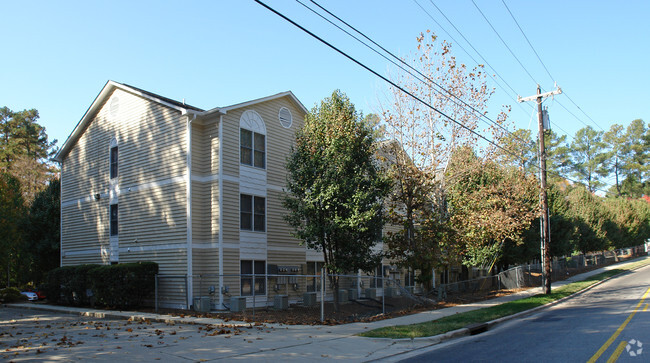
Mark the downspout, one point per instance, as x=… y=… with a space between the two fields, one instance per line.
x=190 y=283
x=61 y=213
x=221 y=287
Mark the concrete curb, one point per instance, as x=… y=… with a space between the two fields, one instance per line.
x=440 y=338
x=167 y=319
x=493 y=323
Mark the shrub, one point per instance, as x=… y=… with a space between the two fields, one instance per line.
x=122 y=285
x=69 y=285
x=11 y=294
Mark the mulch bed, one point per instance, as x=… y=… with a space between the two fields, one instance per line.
x=363 y=310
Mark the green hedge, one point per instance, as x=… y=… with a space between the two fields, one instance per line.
x=122 y=286
x=11 y=294
x=125 y=285
x=69 y=285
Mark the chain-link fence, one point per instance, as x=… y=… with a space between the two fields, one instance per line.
x=318 y=297
x=289 y=296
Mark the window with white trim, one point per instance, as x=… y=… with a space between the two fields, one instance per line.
x=113 y=220
x=113 y=162
x=253 y=273
x=252 y=213
x=252 y=147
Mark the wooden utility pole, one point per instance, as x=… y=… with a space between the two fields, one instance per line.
x=546 y=230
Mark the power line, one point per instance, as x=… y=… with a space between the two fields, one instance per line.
x=382 y=77
x=579 y=108
x=480 y=55
x=529 y=43
x=544 y=65
x=478 y=112
x=504 y=42
x=470 y=44
x=394 y=84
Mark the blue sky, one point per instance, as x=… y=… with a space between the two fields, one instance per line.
x=58 y=55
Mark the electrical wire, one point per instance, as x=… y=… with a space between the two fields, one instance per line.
x=544 y=65
x=504 y=42
x=442 y=88
x=529 y=43
x=472 y=46
x=367 y=68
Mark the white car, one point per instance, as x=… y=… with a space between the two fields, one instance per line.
x=31 y=296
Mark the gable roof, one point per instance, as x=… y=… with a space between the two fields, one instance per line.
x=111 y=86
x=103 y=95
x=260 y=100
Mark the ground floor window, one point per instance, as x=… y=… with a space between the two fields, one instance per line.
x=377 y=277
x=409 y=279
x=253 y=273
x=314 y=269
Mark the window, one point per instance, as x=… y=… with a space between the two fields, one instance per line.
x=252 y=148
x=252 y=213
x=260 y=150
x=253 y=273
x=113 y=219
x=114 y=162
x=314 y=270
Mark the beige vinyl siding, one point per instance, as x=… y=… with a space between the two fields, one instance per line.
x=279 y=139
x=85 y=225
x=214 y=211
x=152 y=146
x=283 y=249
x=200 y=150
x=231 y=212
x=205 y=267
x=72 y=260
x=231 y=143
x=201 y=211
x=172 y=289
x=152 y=217
x=231 y=270
x=151 y=140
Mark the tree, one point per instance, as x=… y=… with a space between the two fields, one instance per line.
x=12 y=210
x=590 y=219
x=335 y=189
x=488 y=205
x=25 y=150
x=519 y=150
x=587 y=153
x=635 y=160
x=558 y=161
x=419 y=236
x=614 y=138
x=419 y=230
x=629 y=221
x=41 y=247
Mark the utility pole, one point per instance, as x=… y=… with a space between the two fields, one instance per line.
x=546 y=231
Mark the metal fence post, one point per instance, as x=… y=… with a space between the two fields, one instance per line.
x=156 y=293
x=187 y=292
x=383 y=294
x=322 y=295
x=253 y=295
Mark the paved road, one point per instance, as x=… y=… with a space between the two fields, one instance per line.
x=64 y=336
x=590 y=326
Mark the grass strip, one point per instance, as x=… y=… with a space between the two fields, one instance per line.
x=462 y=320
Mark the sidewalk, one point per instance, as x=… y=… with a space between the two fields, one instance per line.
x=301 y=342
